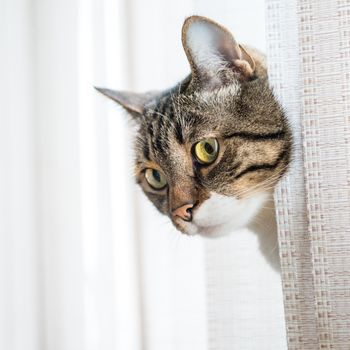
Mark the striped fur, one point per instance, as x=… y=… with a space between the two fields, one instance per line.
x=239 y=109
x=254 y=136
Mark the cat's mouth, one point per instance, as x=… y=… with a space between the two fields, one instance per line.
x=220 y=215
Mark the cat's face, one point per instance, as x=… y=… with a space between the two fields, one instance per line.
x=209 y=150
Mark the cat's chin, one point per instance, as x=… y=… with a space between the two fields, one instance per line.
x=220 y=215
x=214 y=231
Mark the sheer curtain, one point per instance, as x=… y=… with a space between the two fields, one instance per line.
x=309 y=52
x=19 y=268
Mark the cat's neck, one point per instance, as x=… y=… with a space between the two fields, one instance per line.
x=265 y=227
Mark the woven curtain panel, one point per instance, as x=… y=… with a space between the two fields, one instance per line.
x=309 y=63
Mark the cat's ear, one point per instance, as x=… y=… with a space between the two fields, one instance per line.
x=214 y=55
x=133 y=102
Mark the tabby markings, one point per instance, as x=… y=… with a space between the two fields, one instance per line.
x=257 y=137
x=264 y=166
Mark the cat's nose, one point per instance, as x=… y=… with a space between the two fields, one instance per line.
x=184 y=212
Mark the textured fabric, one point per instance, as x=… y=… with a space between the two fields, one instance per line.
x=245 y=301
x=309 y=55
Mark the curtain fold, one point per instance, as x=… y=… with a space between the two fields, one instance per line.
x=20 y=307
x=309 y=51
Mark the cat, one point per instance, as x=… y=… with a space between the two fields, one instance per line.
x=210 y=150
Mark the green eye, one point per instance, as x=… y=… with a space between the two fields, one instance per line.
x=155 y=178
x=206 y=151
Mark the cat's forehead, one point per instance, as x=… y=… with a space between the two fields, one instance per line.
x=193 y=113
x=179 y=117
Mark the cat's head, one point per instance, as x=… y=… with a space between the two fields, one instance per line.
x=209 y=150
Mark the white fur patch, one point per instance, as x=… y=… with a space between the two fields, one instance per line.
x=220 y=215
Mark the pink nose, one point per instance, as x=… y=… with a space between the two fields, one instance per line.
x=184 y=212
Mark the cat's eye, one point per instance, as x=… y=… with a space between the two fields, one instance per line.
x=206 y=151
x=155 y=178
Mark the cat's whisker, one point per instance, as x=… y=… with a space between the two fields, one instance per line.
x=257 y=188
x=267 y=207
x=266 y=185
x=269 y=180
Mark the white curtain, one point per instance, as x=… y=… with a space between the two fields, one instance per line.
x=68 y=267
x=19 y=267
x=309 y=54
